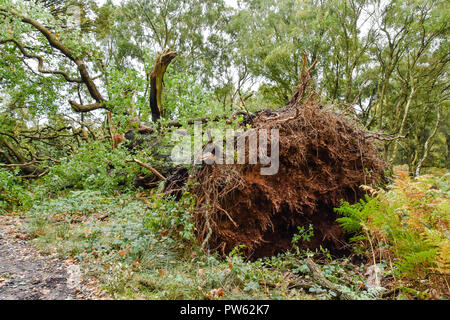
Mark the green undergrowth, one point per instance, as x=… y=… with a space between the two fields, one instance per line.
x=142 y=246
x=13 y=191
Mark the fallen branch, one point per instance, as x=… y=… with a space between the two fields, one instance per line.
x=389 y=293
x=20 y=165
x=144 y=165
x=341 y=291
x=175 y=123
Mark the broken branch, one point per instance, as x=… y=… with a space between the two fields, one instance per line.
x=144 y=165
x=324 y=282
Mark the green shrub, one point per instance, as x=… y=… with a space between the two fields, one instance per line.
x=12 y=191
x=171 y=219
x=95 y=166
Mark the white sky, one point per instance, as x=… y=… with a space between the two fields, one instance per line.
x=231 y=3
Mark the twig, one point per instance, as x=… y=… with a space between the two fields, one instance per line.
x=20 y=165
x=383 y=137
x=34 y=176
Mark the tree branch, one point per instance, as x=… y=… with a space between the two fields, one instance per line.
x=144 y=165
x=41 y=61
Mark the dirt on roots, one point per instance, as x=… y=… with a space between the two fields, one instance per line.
x=323 y=158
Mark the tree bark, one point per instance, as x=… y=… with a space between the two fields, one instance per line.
x=325 y=283
x=144 y=165
x=427 y=144
x=156 y=82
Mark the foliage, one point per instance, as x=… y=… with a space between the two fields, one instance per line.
x=303 y=235
x=408 y=226
x=140 y=245
x=94 y=166
x=12 y=192
x=245 y=56
x=185 y=98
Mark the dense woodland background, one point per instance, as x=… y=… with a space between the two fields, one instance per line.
x=88 y=87
x=391 y=57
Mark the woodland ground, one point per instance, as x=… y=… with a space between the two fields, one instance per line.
x=134 y=263
x=85 y=245
x=26 y=274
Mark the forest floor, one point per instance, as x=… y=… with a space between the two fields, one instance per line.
x=65 y=248
x=25 y=274
x=83 y=244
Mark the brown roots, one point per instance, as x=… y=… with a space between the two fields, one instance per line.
x=324 y=158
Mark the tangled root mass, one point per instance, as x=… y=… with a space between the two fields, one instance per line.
x=323 y=158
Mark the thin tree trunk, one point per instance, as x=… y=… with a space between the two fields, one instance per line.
x=427 y=144
x=402 y=125
x=380 y=104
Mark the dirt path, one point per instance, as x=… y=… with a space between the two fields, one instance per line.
x=25 y=274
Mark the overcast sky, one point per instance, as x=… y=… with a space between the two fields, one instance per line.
x=231 y=3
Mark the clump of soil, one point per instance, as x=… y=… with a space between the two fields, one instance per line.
x=324 y=158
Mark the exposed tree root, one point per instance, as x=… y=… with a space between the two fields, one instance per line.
x=324 y=158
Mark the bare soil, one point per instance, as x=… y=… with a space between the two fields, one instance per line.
x=26 y=274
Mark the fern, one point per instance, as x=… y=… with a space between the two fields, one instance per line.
x=407 y=224
x=355 y=216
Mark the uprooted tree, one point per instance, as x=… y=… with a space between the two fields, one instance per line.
x=324 y=158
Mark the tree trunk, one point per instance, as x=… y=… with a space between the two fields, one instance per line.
x=156 y=82
x=427 y=144
x=402 y=125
